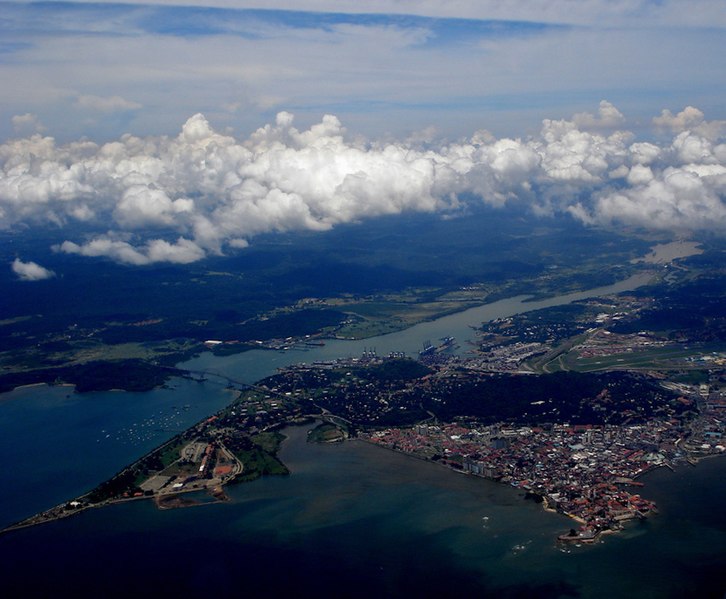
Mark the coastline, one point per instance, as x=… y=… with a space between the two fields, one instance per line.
x=71 y=512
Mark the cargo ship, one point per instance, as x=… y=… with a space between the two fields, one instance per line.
x=429 y=348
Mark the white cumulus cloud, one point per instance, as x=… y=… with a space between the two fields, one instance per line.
x=178 y=199
x=182 y=251
x=28 y=122
x=30 y=271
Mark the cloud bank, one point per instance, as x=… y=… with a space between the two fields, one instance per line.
x=30 y=271
x=179 y=199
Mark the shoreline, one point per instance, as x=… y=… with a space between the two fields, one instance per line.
x=179 y=371
x=545 y=504
x=61 y=511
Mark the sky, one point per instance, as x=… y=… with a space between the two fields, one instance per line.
x=176 y=130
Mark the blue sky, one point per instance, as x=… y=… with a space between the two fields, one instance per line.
x=101 y=69
x=172 y=133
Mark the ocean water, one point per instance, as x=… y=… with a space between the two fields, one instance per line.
x=57 y=444
x=354 y=520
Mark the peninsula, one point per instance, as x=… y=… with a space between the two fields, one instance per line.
x=583 y=458
x=572 y=404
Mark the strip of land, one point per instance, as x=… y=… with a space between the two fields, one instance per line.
x=611 y=429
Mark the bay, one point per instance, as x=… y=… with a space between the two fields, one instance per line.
x=351 y=520
x=59 y=444
x=354 y=520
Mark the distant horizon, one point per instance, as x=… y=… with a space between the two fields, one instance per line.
x=173 y=133
x=387 y=68
x=201 y=192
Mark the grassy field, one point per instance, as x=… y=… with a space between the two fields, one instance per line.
x=326 y=433
x=269 y=441
x=256 y=463
x=381 y=317
x=662 y=358
x=552 y=360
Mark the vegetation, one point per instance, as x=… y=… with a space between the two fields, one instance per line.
x=269 y=441
x=393 y=272
x=613 y=398
x=128 y=375
x=326 y=433
x=366 y=399
x=694 y=310
x=258 y=455
x=258 y=463
x=124 y=482
x=403 y=369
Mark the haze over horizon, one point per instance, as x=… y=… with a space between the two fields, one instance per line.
x=146 y=122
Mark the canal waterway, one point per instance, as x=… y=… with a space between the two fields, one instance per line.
x=352 y=519
x=61 y=444
x=253 y=365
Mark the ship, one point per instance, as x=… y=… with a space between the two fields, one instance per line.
x=446 y=343
x=428 y=349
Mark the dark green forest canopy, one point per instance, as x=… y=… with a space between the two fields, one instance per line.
x=613 y=398
x=129 y=375
x=215 y=297
x=401 y=392
x=695 y=310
